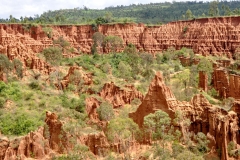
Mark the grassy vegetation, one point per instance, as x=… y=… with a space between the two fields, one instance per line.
x=23 y=103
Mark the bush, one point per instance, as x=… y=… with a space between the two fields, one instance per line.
x=17 y=124
x=10 y=91
x=2 y=102
x=105 y=111
x=34 y=85
x=73 y=103
x=213 y=93
x=121 y=129
x=177 y=149
x=231 y=146
x=202 y=144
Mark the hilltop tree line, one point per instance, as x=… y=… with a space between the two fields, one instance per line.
x=152 y=13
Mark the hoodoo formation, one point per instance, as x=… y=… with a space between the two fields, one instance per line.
x=99 y=104
x=220 y=126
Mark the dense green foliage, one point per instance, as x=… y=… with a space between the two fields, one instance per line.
x=18 y=123
x=152 y=13
x=53 y=55
x=105 y=111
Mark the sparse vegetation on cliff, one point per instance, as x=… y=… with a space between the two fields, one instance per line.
x=99 y=124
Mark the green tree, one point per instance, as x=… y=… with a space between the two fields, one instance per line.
x=184 y=124
x=53 y=55
x=189 y=14
x=5 y=65
x=2 y=102
x=47 y=31
x=206 y=66
x=202 y=142
x=227 y=10
x=158 y=125
x=105 y=111
x=113 y=42
x=77 y=79
x=17 y=65
x=62 y=43
x=98 y=39
x=213 y=9
x=184 y=77
x=108 y=17
x=100 y=20
x=121 y=129
x=130 y=48
x=124 y=71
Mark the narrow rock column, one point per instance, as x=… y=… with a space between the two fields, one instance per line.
x=224 y=155
x=203 y=80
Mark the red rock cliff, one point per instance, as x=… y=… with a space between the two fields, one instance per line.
x=226 y=84
x=206 y=36
x=119 y=97
x=219 y=125
x=40 y=144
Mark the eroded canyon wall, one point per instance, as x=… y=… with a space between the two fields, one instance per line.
x=226 y=84
x=219 y=125
x=206 y=36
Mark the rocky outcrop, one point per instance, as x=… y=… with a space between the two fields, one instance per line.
x=221 y=82
x=188 y=61
x=227 y=85
x=119 y=97
x=159 y=97
x=114 y=95
x=98 y=143
x=75 y=76
x=41 y=144
x=91 y=108
x=234 y=88
x=57 y=138
x=219 y=125
x=223 y=63
x=15 y=42
x=203 y=81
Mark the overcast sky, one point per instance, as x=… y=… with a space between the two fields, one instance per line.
x=18 y=8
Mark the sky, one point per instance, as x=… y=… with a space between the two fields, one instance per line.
x=18 y=8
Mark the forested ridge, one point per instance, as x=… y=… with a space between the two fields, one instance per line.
x=152 y=13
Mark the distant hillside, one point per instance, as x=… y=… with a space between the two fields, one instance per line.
x=153 y=13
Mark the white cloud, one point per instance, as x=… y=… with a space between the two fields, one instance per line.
x=18 y=8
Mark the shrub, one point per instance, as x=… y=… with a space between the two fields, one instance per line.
x=34 y=85
x=47 y=31
x=231 y=146
x=73 y=103
x=177 y=149
x=213 y=92
x=121 y=128
x=105 y=111
x=10 y=90
x=17 y=124
x=2 y=102
x=17 y=64
x=202 y=144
